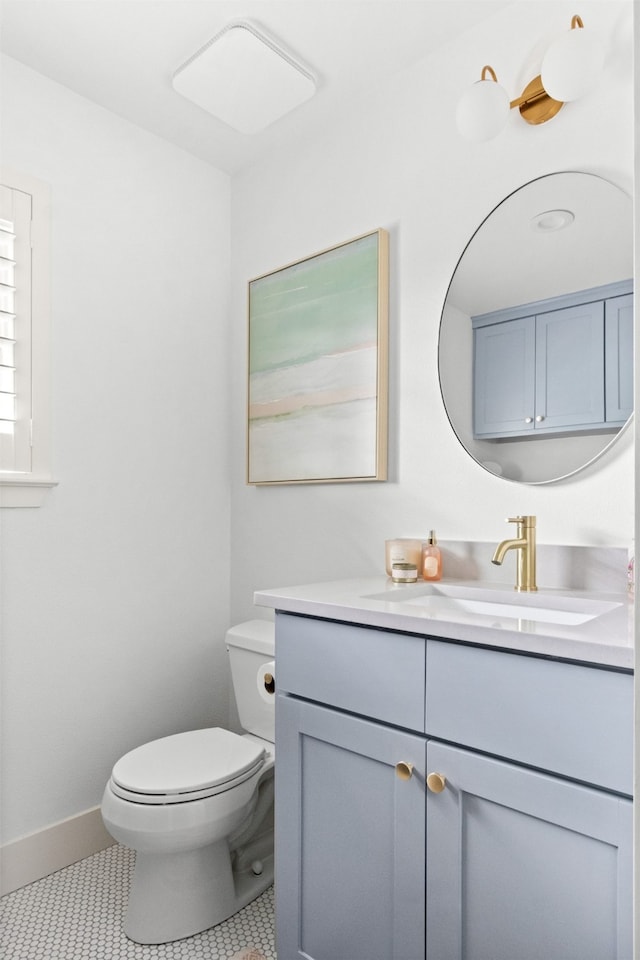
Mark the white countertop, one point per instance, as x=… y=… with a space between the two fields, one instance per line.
x=606 y=639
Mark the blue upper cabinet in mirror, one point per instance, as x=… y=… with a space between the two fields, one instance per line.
x=535 y=350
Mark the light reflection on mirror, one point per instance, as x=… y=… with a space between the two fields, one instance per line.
x=506 y=263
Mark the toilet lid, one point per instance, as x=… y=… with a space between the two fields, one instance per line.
x=187 y=763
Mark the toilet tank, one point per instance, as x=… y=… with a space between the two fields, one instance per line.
x=251 y=645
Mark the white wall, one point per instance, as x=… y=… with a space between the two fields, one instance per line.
x=115 y=593
x=399 y=163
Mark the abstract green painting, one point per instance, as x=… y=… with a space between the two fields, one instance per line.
x=317 y=406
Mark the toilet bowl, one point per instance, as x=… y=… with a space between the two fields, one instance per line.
x=197 y=807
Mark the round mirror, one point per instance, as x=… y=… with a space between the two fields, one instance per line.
x=535 y=350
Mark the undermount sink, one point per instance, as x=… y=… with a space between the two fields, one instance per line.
x=452 y=602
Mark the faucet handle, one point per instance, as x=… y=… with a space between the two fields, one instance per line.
x=529 y=520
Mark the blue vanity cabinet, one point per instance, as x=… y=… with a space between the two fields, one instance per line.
x=525 y=852
x=523 y=864
x=529 y=845
x=350 y=837
x=350 y=832
x=563 y=365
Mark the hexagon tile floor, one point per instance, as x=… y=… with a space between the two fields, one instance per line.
x=76 y=914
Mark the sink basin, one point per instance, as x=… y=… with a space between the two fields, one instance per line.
x=452 y=602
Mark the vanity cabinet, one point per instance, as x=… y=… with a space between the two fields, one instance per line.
x=524 y=865
x=351 y=837
x=529 y=850
x=563 y=365
x=525 y=852
x=350 y=834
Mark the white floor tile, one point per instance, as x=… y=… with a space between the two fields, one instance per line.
x=76 y=914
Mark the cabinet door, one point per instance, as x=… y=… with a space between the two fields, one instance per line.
x=524 y=866
x=504 y=377
x=350 y=837
x=569 y=367
x=619 y=358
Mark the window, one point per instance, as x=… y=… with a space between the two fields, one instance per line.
x=25 y=420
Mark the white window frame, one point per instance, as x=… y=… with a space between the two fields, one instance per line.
x=29 y=488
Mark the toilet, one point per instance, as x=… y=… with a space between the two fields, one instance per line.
x=197 y=808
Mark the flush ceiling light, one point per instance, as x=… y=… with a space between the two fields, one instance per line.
x=570 y=69
x=551 y=220
x=242 y=77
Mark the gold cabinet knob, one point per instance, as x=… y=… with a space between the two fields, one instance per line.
x=436 y=782
x=404 y=770
x=269 y=683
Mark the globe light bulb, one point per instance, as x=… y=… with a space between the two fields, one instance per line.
x=482 y=111
x=572 y=65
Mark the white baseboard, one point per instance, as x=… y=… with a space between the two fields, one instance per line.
x=36 y=856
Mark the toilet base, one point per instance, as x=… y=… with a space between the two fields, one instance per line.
x=177 y=895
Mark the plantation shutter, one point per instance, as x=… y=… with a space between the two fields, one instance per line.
x=15 y=331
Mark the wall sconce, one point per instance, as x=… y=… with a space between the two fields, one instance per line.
x=570 y=69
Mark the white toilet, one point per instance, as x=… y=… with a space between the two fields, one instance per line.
x=197 y=808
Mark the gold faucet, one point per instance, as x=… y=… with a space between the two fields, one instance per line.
x=525 y=544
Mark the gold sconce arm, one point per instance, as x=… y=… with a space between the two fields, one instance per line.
x=488 y=73
x=535 y=104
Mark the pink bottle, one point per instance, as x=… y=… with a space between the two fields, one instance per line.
x=431 y=559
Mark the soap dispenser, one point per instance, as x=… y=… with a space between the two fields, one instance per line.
x=431 y=559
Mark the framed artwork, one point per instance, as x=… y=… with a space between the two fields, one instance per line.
x=318 y=337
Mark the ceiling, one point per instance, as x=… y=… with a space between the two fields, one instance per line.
x=122 y=54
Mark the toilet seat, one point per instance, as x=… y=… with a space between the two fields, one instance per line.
x=186 y=766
